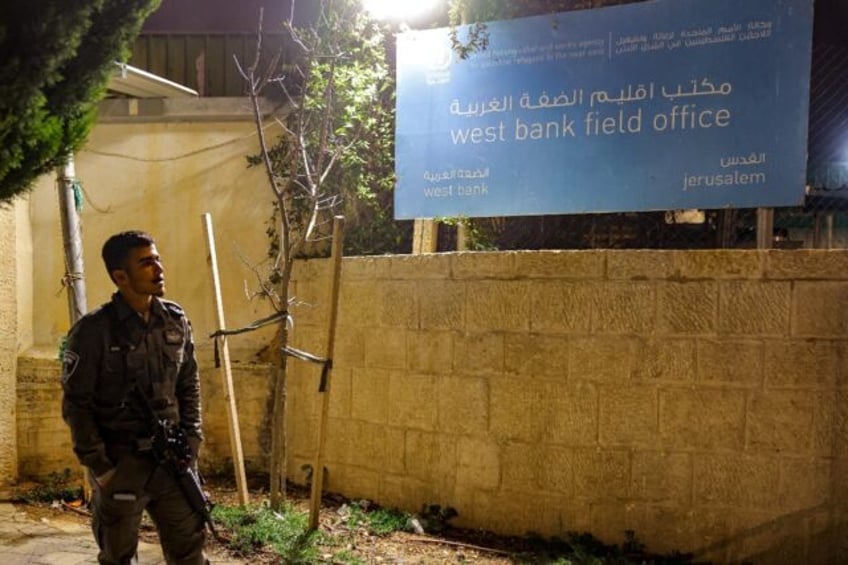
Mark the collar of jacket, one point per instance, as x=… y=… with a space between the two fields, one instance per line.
x=123 y=310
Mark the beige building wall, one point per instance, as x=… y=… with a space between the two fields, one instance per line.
x=161 y=176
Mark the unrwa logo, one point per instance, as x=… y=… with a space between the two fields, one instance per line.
x=438 y=61
x=439 y=58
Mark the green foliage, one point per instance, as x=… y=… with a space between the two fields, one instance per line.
x=57 y=487
x=57 y=59
x=338 y=150
x=473 y=37
x=435 y=518
x=378 y=521
x=257 y=527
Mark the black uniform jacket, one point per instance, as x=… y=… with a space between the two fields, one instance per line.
x=110 y=351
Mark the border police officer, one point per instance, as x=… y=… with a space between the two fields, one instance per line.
x=136 y=344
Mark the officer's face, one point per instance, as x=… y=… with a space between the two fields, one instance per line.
x=143 y=275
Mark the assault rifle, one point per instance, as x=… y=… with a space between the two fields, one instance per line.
x=170 y=447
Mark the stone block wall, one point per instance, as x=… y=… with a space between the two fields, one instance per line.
x=694 y=397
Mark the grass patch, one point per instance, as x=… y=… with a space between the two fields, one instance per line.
x=256 y=528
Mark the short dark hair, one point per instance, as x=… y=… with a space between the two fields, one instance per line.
x=117 y=248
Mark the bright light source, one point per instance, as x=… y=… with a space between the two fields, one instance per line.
x=397 y=10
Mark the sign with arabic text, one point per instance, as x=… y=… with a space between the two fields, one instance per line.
x=661 y=105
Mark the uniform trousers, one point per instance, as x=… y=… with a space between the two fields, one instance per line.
x=138 y=484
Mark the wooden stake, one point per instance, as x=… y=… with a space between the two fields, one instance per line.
x=226 y=370
x=318 y=465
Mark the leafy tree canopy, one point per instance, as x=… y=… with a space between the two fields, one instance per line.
x=57 y=57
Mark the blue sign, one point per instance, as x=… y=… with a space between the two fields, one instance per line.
x=660 y=105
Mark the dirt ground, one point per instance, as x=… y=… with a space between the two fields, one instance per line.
x=451 y=546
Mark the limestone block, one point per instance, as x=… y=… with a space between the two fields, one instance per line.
x=363 y=268
x=397 y=304
x=805 y=483
x=754 y=308
x=610 y=520
x=370 y=395
x=498 y=305
x=463 y=405
x=416 y=267
x=719 y=264
x=602 y=358
x=538 y=468
x=737 y=362
x=311 y=304
x=352 y=481
x=479 y=265
x=830 y=424
x=702 y=418
x=780 y=421
x=364 y=445
x=628 y=415
x=302 y=439
x=624 y=307
x=560 y=264
x=349 y=348
x=536 y=355
x=666 y=359
x=569 y=413
x=385 y=349
x=413 y=401
x=442 y=304
x=430 y=352
x=560 y=307
x=662 y=477
x=702 y=531
x=517 y=513
x=514 y=408
x=574 y=515
x=601 y=475
x=431 y=458
x=400 y=491
x=801 y=363
x=820 y=309
x=737 y=480
x=638 y=264
x=802 y=264
x=761 y=537
x=357 y=306
x=687 y=307
x=478 y=353
x=478 y=463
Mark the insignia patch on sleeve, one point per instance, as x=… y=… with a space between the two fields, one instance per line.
x=173 y=337
x=70 y=361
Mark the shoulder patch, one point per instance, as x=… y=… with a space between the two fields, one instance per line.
x=70 y=362
x=173 y=307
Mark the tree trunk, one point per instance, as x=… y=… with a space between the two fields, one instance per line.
x=278 y=416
